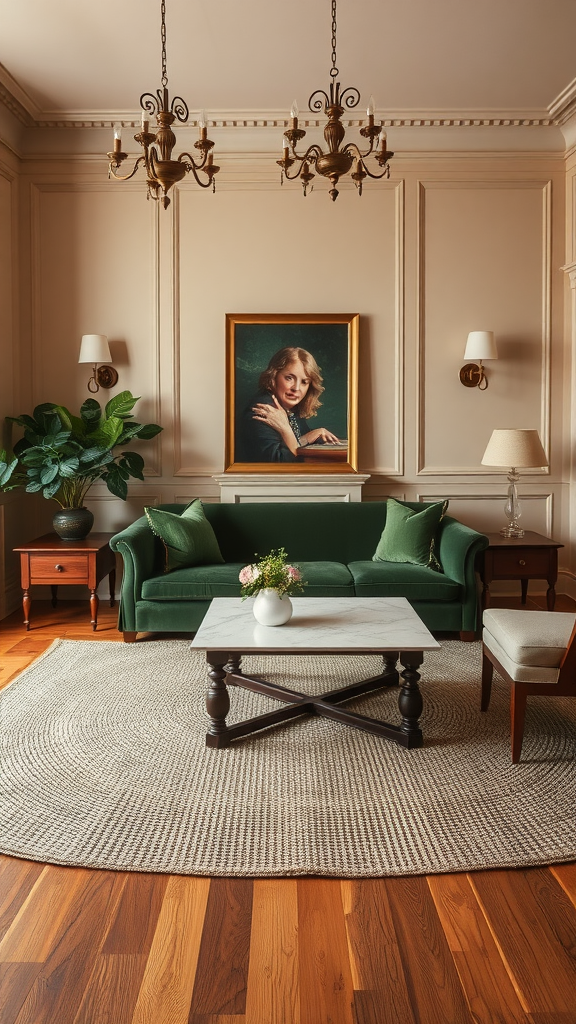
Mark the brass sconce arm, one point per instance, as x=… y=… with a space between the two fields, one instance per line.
x=116 y=160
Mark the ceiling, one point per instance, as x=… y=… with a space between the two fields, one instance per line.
x=496 y=58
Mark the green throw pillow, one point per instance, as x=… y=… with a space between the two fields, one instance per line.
x=408 y=536
x=188 y=538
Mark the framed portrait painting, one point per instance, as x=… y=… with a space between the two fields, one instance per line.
x=291 y=392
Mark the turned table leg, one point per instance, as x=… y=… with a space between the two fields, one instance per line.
x=217 y=703
x=410 y=699
x=94 y=602
x=26 y=605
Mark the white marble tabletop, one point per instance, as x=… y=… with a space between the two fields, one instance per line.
x=318 y=624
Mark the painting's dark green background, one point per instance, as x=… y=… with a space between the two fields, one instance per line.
x=255 y=344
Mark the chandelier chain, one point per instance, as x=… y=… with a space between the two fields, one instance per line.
x=334 y=70
x=163 y=38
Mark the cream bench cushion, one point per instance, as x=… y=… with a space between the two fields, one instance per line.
x=528 y=644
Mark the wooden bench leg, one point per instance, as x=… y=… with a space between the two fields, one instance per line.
x=129 y=638
x=487 y=672
x=517 y=715
x=467 y=635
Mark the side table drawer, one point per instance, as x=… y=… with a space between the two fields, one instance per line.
x=519 y=563
x=44 y=568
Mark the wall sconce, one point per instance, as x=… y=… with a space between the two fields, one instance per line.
x=480 y=345
x=515 y=449
x=95 y=349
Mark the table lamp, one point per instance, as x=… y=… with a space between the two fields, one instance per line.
x=517 y=449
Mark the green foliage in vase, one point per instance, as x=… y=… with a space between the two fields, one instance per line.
x=62 y=455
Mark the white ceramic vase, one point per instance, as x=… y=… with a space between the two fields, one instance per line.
x=270 y=609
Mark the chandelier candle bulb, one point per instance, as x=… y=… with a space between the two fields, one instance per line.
x=145 y=122
x=117 y=138
x=370 y=110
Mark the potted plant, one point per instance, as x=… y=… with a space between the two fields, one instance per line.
x=62 y=456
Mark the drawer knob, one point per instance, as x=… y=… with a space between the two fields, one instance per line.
x=521 y=561
x=59 y=568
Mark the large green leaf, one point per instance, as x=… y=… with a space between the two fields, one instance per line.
x=90 y=412
x=52 y=488
x=49 y=473
x=148 y=431
x=7 y=467
x=121 y=405
x=134 y=463
x=107 y=433
x=69 y=467
x=115 y=482
x=33 y=486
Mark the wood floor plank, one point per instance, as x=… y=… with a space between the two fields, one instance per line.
x=112 y=990
x=326 y=992
x=60 y=985
x=17 y=878
x=222 y=976
x=534 y=925
x=39 y=922
x=166 y=991
x=382 y=995
x=565 y=874
x=273 y=993
x=136 y=918
x=487 y=986
x=16 y=980
x=436 y=995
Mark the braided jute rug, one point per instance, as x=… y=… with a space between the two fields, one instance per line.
x=104 y=765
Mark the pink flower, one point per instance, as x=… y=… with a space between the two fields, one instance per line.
x=248 y=574
x=293 y=572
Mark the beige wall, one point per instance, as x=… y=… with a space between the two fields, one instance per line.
x=451 y=243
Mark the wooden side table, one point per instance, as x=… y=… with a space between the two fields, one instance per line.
x=50 y=560
x=531 y=557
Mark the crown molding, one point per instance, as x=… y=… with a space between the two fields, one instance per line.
x=564 y=106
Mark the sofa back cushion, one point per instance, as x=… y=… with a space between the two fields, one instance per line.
x=310 y=531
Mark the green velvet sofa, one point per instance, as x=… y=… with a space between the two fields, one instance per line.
x=333 y=543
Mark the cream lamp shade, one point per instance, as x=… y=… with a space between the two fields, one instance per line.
x=481 y=345
x=519 y=448
x=94 y=349
x=515 y=449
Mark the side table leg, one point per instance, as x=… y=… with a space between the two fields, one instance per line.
x=94 y=602
x=217 y=705
x=551 y=595
x=26 y=605
x=524 y=589
x=410 y=699
x=112 y=582
x=54 y=589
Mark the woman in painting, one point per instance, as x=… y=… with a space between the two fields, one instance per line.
x=274 y=425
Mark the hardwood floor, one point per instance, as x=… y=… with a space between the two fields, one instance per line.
x=100 y=947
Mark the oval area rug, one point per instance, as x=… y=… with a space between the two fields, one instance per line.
x=104 y=765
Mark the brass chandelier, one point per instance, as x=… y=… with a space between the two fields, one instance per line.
x=161 y=171
x=337 y=161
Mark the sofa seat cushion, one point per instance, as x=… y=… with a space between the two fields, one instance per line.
x=199 y=582
x=402 y=579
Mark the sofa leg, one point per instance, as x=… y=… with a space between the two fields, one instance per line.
x=129 y=638
x=467 y=635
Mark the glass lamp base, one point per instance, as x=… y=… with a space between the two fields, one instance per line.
x=511 y=531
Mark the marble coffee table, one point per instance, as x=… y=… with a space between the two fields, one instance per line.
x=319 y=626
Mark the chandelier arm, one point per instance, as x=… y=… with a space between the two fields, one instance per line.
x=203 y=184
x=320 y=103
x=385 y=172
x=350 y=97
x=188 y=159
x=352 y=147
x=126 y=177
x=150 y=103
x=179 y=108
x=311 y=154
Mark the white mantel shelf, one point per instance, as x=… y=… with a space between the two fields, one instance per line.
x=237 y=488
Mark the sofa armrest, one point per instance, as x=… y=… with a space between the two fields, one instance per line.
x=138 y=547
x=458 y=549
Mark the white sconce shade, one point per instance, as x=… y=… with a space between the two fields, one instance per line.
x=481 y=345
x=521 y=449
x=94 y=349
x=515 y=449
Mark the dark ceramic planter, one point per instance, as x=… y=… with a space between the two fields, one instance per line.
x=73 y=523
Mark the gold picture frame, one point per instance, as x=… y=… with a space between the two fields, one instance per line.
x=252 y=342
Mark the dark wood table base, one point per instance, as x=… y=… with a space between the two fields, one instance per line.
x=225 y=671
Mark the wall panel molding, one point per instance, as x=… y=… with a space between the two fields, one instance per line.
x=425 y=186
